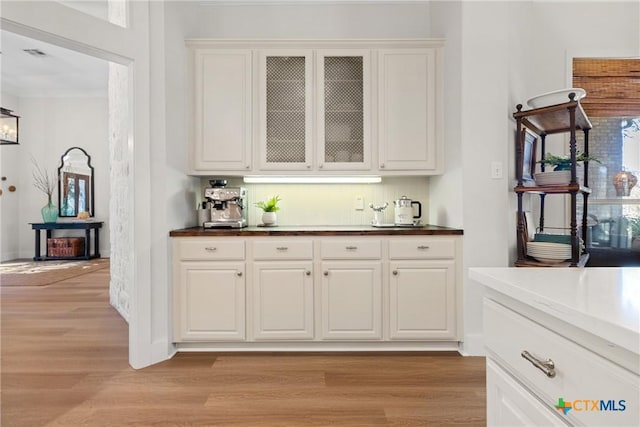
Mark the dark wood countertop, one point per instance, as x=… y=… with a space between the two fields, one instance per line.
x=317 y=230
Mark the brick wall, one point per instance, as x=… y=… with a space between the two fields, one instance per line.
x=605 y=143
x=120 y=217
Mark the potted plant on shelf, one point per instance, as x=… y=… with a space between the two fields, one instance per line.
x=269 y=209
x=562 y=163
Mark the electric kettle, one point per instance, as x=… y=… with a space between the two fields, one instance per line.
x=404 y=211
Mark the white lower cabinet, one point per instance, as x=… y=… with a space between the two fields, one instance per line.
x=351 y=300
x=210 y=301
x=320 y=292
x=552 y=369
x=509 y=404
x=422 y=300
x=283 y=300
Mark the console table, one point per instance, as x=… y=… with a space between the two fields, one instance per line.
x=87 y=226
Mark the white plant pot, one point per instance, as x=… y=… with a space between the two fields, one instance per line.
x=269 y=218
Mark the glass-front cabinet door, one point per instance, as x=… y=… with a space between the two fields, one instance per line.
x=343 y=116
x=285 y=110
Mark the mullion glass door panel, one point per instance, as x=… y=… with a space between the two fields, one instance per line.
x=285 y=111
x=344 y=88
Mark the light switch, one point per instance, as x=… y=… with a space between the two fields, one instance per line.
x=358 y=203
x=496 y=170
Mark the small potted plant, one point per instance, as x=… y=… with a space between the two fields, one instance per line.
x=561 y=163
x=269 y=209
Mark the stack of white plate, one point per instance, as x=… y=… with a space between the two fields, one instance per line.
x=552 y=178
x=549 y=252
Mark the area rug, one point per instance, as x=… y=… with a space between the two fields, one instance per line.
x=41 y=273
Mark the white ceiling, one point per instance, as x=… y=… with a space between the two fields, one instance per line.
x=59 y=73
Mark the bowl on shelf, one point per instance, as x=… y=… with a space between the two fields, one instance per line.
x=555 y=97
x=552 y=178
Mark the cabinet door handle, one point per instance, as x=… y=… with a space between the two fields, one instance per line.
x=423 y=247
x=282 y=248
x=546 y=366
x=239 y=273
x=210 y=249
x=395 y=272
x=326 y=273
x=351 y=248
x=308 y=273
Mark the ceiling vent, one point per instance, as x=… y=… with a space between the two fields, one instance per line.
x=34 y=52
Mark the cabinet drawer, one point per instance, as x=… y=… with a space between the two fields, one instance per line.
x=351 y=249
x=582 y=377
x=207 y=250
x=283 y=249
x=509 y=404
x=422 y=248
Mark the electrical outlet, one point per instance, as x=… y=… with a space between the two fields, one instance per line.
x=496 y=170
x=358 y=203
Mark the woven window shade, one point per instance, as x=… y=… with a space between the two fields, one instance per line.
x=612 y=85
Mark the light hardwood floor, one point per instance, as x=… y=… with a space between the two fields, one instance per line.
x=64 y=363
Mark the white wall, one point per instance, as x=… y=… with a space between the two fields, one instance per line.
x=49 y=127
x=10 y=201
x=308 y=20
x=522 y=52
x=445 y=205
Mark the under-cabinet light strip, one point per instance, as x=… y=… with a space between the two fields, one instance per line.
x=292 y=179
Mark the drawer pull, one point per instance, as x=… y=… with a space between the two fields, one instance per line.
x=326 y=273
x=282 y=248
x=351 y=248
x=210 y=249
x=239 y=274
x=423 y=247
x=546 y=366
x=395 y=272
x=308 y=273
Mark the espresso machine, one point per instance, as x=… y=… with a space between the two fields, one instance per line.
x=227 y=205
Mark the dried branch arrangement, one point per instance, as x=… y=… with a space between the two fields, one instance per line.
x=43 y=180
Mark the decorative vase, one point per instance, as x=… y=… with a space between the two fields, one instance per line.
x=269 y=218
x=623 y=182
x=50 y=212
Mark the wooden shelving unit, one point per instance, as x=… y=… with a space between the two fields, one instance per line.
x=568 y=118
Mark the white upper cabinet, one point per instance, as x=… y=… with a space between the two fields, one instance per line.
x=302 y=129
x=410 y=110
x=317 y=107
x=222 y=111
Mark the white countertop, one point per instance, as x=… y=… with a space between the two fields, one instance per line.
x=602 y=301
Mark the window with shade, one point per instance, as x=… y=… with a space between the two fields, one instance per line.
x=613 y=106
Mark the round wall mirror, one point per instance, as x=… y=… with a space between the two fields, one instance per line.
x=75 y=183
